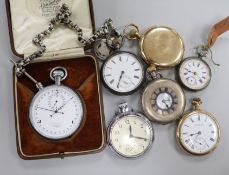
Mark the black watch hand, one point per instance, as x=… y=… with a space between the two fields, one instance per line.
x=64 y=104
x=198 y=133
x=142 y=138
x=120 y=78
x=49 y=110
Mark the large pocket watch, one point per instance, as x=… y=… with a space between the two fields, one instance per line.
x=56 y=111
x=198 y=131
x=130 y=134
x=122 y=73
x=163 y=100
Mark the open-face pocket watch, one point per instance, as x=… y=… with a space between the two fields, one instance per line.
x=163 y=100
x=56 y=111
x=122 y=72
x=194 y=73
x=130 y=134
x=198 y=131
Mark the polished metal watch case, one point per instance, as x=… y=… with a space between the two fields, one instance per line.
x=179 y=74
x=123 y=93
x=178 y=133
x=123 y=114
x=161 y=46
x=152 y=111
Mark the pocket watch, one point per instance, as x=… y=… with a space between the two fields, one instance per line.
x=194 y=73
x=198 y=131
x=130 y=134
x=160 y=46
x=163 y=100
x=122 y=73
x=56 y=111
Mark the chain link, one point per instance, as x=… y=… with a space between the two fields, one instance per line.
x=62 y=18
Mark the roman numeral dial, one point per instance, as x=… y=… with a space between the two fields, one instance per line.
x=195 y=73
x=198 y=132
x=123 y=73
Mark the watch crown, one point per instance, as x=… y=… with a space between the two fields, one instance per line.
x=123 y=107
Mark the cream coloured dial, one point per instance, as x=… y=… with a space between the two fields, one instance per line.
x=130 y=135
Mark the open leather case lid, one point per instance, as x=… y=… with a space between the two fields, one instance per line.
x=26 y=19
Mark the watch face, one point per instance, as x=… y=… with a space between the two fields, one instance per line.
x=130 y=135
x=163 y=100
x=56 y=112
x=123 y=73
x=198 y=133
x=195 y=73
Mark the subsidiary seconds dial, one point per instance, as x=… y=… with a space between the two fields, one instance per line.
x=122 y=73
x=194 y=73
x=56 y=111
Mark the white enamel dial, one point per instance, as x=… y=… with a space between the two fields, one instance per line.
x=56 y=112
x=195 y=73
x=123 y=73
x=131 y=135
x=199 y=133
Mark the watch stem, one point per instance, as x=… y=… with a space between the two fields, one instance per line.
x=196 y=103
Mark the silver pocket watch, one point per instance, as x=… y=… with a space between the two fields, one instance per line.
x=130 y=134
x=56 y=111
x=194 y=73
x=122 y=72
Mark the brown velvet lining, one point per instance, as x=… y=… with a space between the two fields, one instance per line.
x=82 y=77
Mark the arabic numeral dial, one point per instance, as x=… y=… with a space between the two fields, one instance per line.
x=56 y=112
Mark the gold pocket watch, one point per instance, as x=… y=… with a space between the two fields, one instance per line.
x=163 y=100
x=198 y=131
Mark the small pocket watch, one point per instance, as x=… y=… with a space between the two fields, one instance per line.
x=56 y=111
x=130 y=134
x=198 y=131
x=163 y=100
x=194 y=73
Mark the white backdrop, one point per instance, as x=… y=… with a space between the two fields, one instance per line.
x=192 y=20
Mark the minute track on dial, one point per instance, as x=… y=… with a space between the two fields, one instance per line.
x=122 y=73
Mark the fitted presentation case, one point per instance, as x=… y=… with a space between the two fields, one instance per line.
x=26 y=18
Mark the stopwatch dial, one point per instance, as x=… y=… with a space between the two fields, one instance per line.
x=130 y=135
x=56 y=112
x=195 y=73
x=123 y=73
x=198 y=132
x=163 y=100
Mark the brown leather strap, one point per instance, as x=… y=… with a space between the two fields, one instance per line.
x=218 y=29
